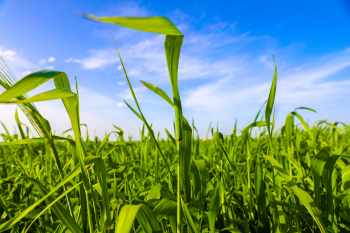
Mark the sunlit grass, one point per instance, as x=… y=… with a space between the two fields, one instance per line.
x=293 y=179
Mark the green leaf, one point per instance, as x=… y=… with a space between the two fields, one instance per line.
x=185 y=159
x=305 y=125
x=305 y=108
x=101 y=175
x=271 y=99
x=49 y=95
x=254 y=124
x=317 y=164
x=4 y=207
x=154 y=193
x=140 y=115
x=28 y=147
x=220 y=140
x=273 y=205
x=199 y=180
x=144 y=215
x=188 y=217
x=214 y=206
x=170 y=136
x=300 y=208
x=52 y=203
x=257 y=115
x=64 y=216
x=28 y=83
x=333 y=126
x=159 y=25
x=172 y=46
x=103 y=143
x=22 y=142
x=327 y=174
x=158 y=91
x=261 y=197
x=132 y=109
x=231 y=229
x=303 y=196
x=346 y=178
x=164 y=208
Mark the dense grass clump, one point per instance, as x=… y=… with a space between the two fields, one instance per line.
x=293 y=179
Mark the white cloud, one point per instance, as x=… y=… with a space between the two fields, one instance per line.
x=312 y=85
x=93 y=98
x=42 y=62
x=145 y=54
x=16 y=62
x=216 y=80
x=21 y=66
x=72 y=60
x=51 y=59
x=221 y=73
x=98 y=59
x=145 y=57
x=139 y=92
x=25 y=73
x=8 y=55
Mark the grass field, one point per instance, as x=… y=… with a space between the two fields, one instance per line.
x=293 y=179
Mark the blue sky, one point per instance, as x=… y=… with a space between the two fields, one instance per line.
x=226 y=67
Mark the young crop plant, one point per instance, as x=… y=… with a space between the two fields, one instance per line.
x=293 y=179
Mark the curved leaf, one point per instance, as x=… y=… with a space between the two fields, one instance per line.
x=164 y=208
x=156 y=24
x=144 y=215
x=158 y=91
x=214 y=206
x=45 y=96
x=303 y=196
x=28 y=83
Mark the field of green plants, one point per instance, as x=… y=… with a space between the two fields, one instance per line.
x=259 y=179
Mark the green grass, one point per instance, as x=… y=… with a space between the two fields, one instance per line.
x=293 y=179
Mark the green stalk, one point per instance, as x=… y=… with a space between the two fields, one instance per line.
x=140 y=114
x=172 y=47
x=250 y=200
x=178 y=196
x=49 y=141
x=156 y=158
x=91 y=225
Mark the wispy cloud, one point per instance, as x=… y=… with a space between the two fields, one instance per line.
x=24 y=73
x=223 y=73
x=313 y=84
x=97 y=59
x=18 y=64
x=146 y=57
x=139 y=92
x=42 y=61
x=51 y=59
x=72 y=60
x=22 y=66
